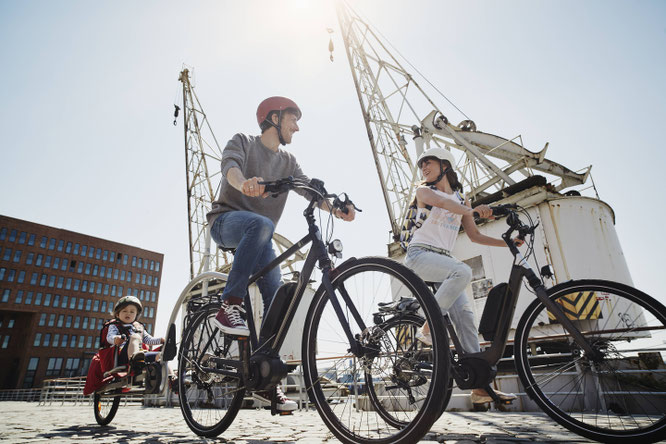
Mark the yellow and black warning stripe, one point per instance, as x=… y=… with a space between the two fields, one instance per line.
x=579 y=306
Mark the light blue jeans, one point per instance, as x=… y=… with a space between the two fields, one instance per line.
x=250 y=234
x=451 y=297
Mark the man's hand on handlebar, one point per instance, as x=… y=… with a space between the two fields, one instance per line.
x=253 y=188
x=348 y=215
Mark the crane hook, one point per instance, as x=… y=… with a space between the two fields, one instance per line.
x=175 y=114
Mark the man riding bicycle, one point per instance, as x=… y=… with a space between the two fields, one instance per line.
x=242 y=218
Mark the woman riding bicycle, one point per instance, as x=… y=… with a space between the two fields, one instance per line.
x=442 y=208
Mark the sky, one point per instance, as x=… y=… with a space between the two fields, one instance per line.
x=88 y=90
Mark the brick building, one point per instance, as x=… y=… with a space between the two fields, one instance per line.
x=57 y=287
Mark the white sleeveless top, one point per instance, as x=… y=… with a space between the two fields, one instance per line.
x=441 y=227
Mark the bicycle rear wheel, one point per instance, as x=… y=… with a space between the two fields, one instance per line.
x=209 y=401
x=105 y=408
x=380 y=394
x=614 y=398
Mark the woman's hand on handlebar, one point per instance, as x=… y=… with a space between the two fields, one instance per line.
x=482 y=211
x=253 y=188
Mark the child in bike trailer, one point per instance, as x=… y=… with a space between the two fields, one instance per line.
x=243 y=219
x=441 y=210
x=128 y=333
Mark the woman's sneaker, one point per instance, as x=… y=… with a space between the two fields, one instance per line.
x=284 y=404
x=230 y=321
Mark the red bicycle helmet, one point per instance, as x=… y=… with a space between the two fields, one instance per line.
x=278 y=104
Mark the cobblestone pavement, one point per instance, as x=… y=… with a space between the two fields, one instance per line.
x=24 y=422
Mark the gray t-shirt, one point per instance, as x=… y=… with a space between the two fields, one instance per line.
x=254 y=159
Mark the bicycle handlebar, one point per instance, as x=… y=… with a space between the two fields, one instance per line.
x=513 y=220
x=315 y=186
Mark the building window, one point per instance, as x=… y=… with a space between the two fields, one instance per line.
x=38 y=262
x=85 y=323
x=56 y=263
x=68 y=323
x=12 y=236
x=56 y=300
x=89 y=343
x=7 y=255
x=2 y=273
x=96 y=305
x=52 y=319
x=47 y=262
x=10 y=275
x=99 y=288
x=42 y=242
x=68 y=248
x=79 y=268
x=81 y=340
x=38 y=340
x=92 y=323
x=21 y=277
x=19 y=297
x=84 y=286
x=42 y=320
x=52 y=244
x=68 y=284
x=29 y=378
x=97 y=342
x=133 y=261
x=3 y=233
x=61 y=281
x=76 y=248
x=61 y=320
x=125 y=258
x=31 y=240
x=56 y=339
x=152 y=265
x=42 y=280
x=154 y=296
x=33 y=278
x=91 y=287
x=54 y=365
x=98 y=253
x=47 y=299
x=156 y=284
x=38 y=298
x=106 y=255
x=63 y=267
x=10 y=324
x=64 y=301
x=77 y=322
x=81 y=303
x=22 y=237
x=5 y=295
x=17 y=256
x=28 y=260
x=120 y=291
x=91 y=252
x=143 y=279
x=113 y=290
x=72 y=303
x=108 y=272
x=5 y=342
x=72 y=364
x=47 y=340
x=88 y=304
x=140 y=263
x=52 y=280
x=61 y=243
x=106 y=289
x=122 y=275
x=103 y=307
x=88 y=266
x=84 y=250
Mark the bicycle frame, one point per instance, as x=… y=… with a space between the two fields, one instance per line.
x=316 y=254
x=521 y=270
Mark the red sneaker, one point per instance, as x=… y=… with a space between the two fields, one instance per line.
x=229 y=320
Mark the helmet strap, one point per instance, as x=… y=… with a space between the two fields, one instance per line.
x=278 y=127
x=442 y=173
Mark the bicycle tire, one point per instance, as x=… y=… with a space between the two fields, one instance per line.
x=348 y=412
x=105 y=408
x=209 y=402
x=613 y=399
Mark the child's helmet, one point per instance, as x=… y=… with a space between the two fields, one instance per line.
x=128 y=300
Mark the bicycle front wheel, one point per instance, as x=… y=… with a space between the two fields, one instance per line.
x=209 y=401
x=388 y=390
x=105 y=408
x=616 y=396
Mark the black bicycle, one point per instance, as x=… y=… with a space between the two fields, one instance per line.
x=588 y=352
x=370 y=381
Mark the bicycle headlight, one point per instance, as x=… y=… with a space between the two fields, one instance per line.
x=335 y=248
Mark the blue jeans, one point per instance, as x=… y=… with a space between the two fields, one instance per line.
x=250 y=234
x=451 y=297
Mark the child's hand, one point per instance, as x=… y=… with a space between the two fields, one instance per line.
x=117 y=340
x=162 y=340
